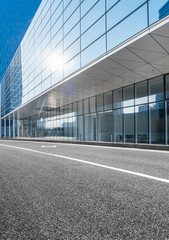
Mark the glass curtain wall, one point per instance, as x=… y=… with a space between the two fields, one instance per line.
x=137 y=113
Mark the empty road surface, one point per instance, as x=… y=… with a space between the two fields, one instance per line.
x=56 y=191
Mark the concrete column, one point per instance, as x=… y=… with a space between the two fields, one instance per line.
x=13 y=125
x=4 y=127
x=9 y=126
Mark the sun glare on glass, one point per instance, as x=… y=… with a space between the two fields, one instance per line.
x=56 y=63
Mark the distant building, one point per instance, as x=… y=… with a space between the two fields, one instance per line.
x=164 y=11
x=15 y=17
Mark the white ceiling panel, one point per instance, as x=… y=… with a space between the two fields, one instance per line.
x=129 y=64
x=161 y=68
x=102 y=75
x=116 y=80
x=163 y=41
x=162 y=30
x=111 y=67
x=125 y=54
x=147 y=71
x=108 y=63
x=114 y=71
x=162 y=61
x=148 y=56
x=131 y=76
x=147 y=43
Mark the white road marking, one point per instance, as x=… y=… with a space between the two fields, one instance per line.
x=91 y=163
x=48 y=146
x=94 y=146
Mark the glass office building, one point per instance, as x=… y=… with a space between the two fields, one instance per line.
x=90 y=71
x=164 y=10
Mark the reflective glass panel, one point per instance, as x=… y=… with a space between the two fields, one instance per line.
x=86 y=7
x=156 y=89
x=71 y=22
x=111 y=3
x=80 y=107
x=61 y=112
x=69 y=126
x=128 y=96
x=167 y=106
x=100 y=127
x=74 y=128
x=66 y=3
x=133 y=23
x=108 y=101
x=75 y=109
x=86 y=105
x=157 y=123
x=92 y=104
x=65 y=111
x=70 y=9
x=167 y=86
x=93 y=33
x=72 y=36
x=57 y=113
x=80 y=128
x=69 y=110
x=109 y=126
x=118 y=126
x=55 y=5
x=73 y=50
x=124 y=7
x=93 y=15
x=157 y=10
x=93 y=51
x=104 y=126
x=90 y=127
x=129 y=124
x=141 y=116
x=72 y=66
x=141 y=93
x=99 y=102
x=117 y=98
x=65 y=129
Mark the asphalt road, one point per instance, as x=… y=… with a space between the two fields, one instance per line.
x=54 y=191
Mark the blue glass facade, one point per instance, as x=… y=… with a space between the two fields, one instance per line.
x=65 y=38
x=11 y=95
x=15 y=17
